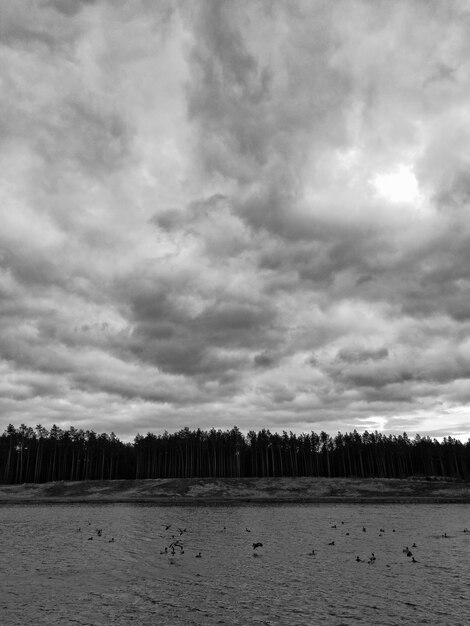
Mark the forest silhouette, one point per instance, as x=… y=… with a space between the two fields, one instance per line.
x=40 y=455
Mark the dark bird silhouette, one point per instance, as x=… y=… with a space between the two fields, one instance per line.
x=334 y=526
x=167 y=526
x=248 y=530
x=409 y=553
x=198 y=556
x=413 y=560
x=332 y=543
x=359 y=560
x=111 y=540
x=363 y=529
x=257 y=545
x=177 y=544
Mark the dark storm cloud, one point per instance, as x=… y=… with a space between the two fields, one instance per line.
x=178 y=330
x=351 y=355
x=264 y=360
x=256 y=123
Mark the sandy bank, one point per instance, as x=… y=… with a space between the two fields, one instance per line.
x=238 y=490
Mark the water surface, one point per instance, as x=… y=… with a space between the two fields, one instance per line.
x=52 y=574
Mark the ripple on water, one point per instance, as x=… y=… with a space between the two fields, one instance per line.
x=68 y=579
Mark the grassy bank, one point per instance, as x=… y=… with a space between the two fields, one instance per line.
x=237 y=490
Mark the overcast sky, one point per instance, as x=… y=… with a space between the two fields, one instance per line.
x=252 y=213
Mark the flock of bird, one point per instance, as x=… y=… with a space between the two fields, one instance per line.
x=176 y=545
x=372 y=558
x=98 y=531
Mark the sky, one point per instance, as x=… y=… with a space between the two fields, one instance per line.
x=252 y=213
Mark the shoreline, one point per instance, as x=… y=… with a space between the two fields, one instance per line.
x=240 y=491
x=164 y=502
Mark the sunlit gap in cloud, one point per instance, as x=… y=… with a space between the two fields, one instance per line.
x=372 y=424
x=397 y=186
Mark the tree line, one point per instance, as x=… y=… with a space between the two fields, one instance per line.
x=40 y=455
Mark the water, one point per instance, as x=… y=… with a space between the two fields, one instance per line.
x=52 y=574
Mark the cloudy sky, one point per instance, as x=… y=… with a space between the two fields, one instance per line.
x=235 y=212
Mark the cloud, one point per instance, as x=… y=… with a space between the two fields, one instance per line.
x=192 y=228
x=360 y=355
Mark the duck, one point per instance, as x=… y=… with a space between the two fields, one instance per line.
x=257 y=545
x=198 y=555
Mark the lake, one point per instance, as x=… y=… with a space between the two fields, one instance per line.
x=52 y=573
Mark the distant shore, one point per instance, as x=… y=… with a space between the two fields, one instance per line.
x=207 y=491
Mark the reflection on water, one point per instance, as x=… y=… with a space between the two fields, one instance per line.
x=52 y=574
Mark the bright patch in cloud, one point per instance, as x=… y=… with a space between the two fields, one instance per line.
x=397 y=186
